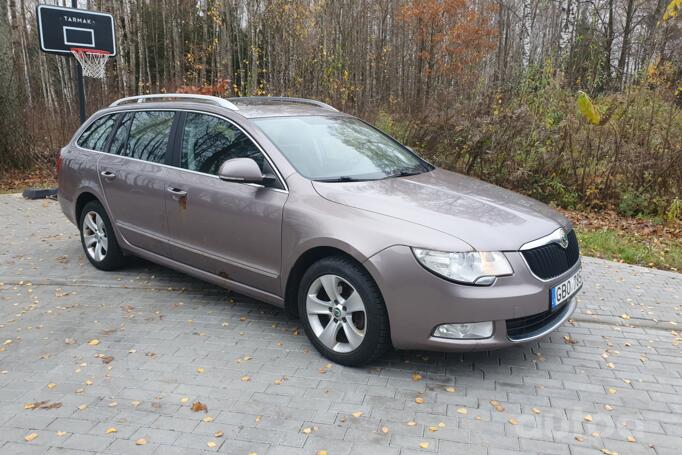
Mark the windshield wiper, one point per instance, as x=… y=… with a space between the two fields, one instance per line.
x=405 y=172
x=343 y=178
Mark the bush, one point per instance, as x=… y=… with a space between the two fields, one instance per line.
x=535 y=140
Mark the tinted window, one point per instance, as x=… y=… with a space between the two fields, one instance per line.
x=148 y=136
x=208 y=141
x=344 y=148
x=118 y=143
x=96 y=135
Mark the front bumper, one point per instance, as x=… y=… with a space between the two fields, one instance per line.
x=417 y=301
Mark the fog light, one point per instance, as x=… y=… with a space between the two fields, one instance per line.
x=469 y=331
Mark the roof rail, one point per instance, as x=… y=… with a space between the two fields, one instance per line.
x=285 y=99
x=182 y=96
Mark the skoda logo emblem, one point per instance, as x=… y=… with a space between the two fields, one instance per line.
x=563 y=240
x=337 y=313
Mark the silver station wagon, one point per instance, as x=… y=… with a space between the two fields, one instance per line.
x=293 y=203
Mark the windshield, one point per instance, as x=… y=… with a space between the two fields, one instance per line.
x=339 y=148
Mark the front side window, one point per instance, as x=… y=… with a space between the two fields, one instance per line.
x=209 y=141
x=148 y=136
x=335 y=148
x=96 y=135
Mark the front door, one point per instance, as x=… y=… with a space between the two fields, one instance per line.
x=232 y=230
x=134 y=178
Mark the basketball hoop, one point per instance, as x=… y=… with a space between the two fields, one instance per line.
x=92 y=61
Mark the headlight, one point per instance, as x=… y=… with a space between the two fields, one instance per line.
x=475 y=267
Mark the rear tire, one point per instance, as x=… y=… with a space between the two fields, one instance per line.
x=98 y=238
x=343 y=312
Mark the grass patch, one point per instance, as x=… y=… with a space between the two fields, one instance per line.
x=650 y=251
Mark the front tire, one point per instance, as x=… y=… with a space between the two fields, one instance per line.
x=98 y=238
x=343 y=312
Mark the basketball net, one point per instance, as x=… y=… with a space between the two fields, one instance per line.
x=92 y=61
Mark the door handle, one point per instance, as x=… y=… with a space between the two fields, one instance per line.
x=177 y=193
x=108 y=175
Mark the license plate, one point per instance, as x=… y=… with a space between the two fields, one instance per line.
x=563 y=291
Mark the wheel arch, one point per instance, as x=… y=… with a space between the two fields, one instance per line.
x=303 y=262
x=81 y=201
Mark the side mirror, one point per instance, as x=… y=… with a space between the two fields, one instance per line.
x=241 y=170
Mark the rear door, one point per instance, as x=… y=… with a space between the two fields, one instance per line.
x=228 y=229
x=134 y=177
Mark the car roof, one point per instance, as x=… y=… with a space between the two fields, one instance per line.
x=249 y=107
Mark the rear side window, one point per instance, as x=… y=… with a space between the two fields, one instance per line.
x=208 y=141
x=96 y=135
x=147 y=134
x=120 y=139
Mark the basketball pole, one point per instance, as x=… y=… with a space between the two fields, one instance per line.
x=79 y=80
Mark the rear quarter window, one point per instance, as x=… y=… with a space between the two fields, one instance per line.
x=96 y=135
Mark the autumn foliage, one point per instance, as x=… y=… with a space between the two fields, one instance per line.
x=453 y=35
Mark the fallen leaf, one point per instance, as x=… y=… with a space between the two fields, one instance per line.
x=626 y=317
x=569 y=340
x=433 y=429
x=307 y=430
x=450 y=389
x=612 y=390
x=245 y=379
x=30 y=437
x=462 y=411
x=135 y=403
x=424 y=445
x=357 y=414
x=69 y=341
x=61 y=433
x=588 y=418
x=106 y=359
x=200 y=370
x=608 y=407
x=384 y=429
x=184 y=399
x=211 y=445
x=93 y=342
x=513 y=421
x=579 y=438
x=535 y=410
x=199 y=406
x=141 y=442
x=207 y=419
x=496 y=404
x=416 y=377
x=321 y=452
x=112 y=430
x=218 y=434
x=51 y=385
x=43 y=405
x=608 y=452
x=411 y=423
x=83 y=407
x=419 y=400
x=631 y=439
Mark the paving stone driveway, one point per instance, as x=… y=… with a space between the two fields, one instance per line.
x=608 y=382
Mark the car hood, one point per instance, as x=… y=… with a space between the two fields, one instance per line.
x=485 y=216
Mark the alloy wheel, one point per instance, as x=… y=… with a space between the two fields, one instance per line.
x=95 y=236
x=336 y=313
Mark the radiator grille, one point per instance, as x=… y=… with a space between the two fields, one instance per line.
x=551 y=260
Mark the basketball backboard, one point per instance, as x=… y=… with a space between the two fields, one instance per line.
x=63 y=29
